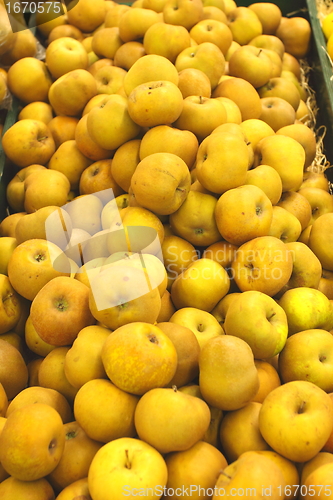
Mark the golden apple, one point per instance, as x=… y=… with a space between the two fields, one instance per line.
x=242 y=93
x=35 y=86
x=65 y=54
x=244 y=24
x=183 y=12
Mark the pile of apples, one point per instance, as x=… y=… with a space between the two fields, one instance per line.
x=166 y=270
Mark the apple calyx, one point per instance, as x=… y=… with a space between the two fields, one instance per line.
x=200 y=327
x=40 y=257
x=52 y=446
x=153 y=339
x=301 y=408
x=70 y=435
x=61 y=304
x=128 y=464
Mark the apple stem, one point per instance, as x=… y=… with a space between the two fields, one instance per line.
x=174 y=388
x=225 y=474
x=301 y=407
x=128 y=463
x=9 y=296
x=260 y=51
x=42 y=138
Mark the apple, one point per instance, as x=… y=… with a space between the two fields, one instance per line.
x=134 y=23
x=217 y=154
x=164 y=138
x=283 y=88
x=228 y=377
x=306 y=356
x=164 y=408
x=277 y=112
x=65 y=30
x=239 y=432
x=326 y=283
x=250 y=474
x=183 y=12
x=243 y=213
x=127 y=54
x=318 y=480
x=205 y=56
x=69 y=94
x=269 y=378
x=39 y=110
x=316 y=309
x=100 y=394
x=263 y=264
x=316 y=243
x=65 y=54
x=244 y=24
x=278 y=151
x=195 y=469
x=269 y=15
x=44 y=432
x=202 y=323
x=307 y=269
x=154 y=40
x=35 y=86
x=66 y=301
x=265 y=340
x=110 y=79
x=111 y=115
x=309 y=406
x=203 y=276
x=251 y=64
x=197 y=226
x=7 y=246
x=267 y=179
x=28 y=142
x=126 y=465
x=105 y=42
x=188 y=350
x=85 y=16
x=295 y=33
x=155 y=103
x=150 y=67
x=285 y=225
x=212 y=30
x=63 y=128
x=236 y=89
x=131 y=346
x=201 y=115
x=320 y=200
x=161 y=182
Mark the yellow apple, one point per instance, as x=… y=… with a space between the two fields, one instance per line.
x=125 y=465
x=269 y=14
x=134 y=23
x=110 y=124
x=85 y=16
x=229 y=361
x=277 y=112
x=65 y=54
x=295 y=33
x=310 y=407
x=205 y=56
x=154 y=40
x=251 y=64
x=28 y=142
x=244 y=24
x=242 y=93
x=267 y=179
x=177 y=434
x=155 y=103
x=69 y=94
x=139 y=344
x=214 y=31
x=316 y=243
x=44 y=433
x=263 y=264
x=150 y=67
x=35 y=86
x=183 y=12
